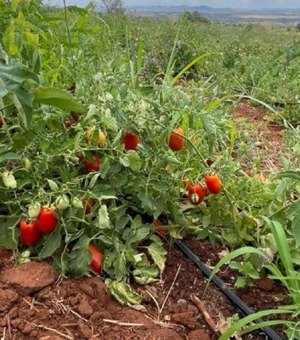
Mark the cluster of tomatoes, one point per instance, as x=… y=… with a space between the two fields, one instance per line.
x=31 y=232
x=47 y=221
x=196 y=192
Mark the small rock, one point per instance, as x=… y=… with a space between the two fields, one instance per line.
x=33 y=334
x=186 y=319
x=13 y=313
x=28 y=328
x=7 y=299
x=73 y=300
x=30 y=277
x=95 y=288
x=16 y=323
x=84 y=308
x=85 y=330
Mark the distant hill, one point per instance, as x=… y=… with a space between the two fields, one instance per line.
x=284 y=16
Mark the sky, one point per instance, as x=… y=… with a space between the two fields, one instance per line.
x=249 y=4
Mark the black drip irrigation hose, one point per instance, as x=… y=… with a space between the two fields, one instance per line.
x=240 y=304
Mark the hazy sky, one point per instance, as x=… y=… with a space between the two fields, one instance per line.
x=251 y=4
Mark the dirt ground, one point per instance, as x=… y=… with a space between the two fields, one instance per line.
x=35 y=303
x=264 y=136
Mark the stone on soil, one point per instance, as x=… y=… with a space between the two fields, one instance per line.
x=30 y=277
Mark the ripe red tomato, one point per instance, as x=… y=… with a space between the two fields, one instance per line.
x=1 y=122
x=29 y=233
x=88 y=206
x=213 y=183
x=46 y=221
x=176 y=141
x=130 y=141
x=93 y=164
x=96 y=259
x=196 y=193
x=160 y=233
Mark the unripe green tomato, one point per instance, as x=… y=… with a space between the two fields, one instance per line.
x=77 y=203
x=62 y=202
x=34 y=210
x=27 y=164
x=9 y=180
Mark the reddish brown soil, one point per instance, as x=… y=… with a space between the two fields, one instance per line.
x=41 y=306
x=264 y=135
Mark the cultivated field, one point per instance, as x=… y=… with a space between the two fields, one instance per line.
x=120 y=135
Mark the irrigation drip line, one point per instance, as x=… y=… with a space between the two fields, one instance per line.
x=240 y=304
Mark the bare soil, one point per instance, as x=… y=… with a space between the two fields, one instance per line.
x=45 y=306
x=263 y=135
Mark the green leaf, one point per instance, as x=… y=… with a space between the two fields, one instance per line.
x=296 y=229
x=52 y=243
x=110 y=123
x=290 y=174
x=131 y=160
x=294 y=215
x=238 y=325
x=115 y=262
x=93 y=181
x=103 y=220
x=131 y=236
x=208 y=125
x=123 y=293
x=9 y=156
x=80 y=257
x=146 y=275
x=294 y=209
x=158 y=254
x=231 y=256
x=12 y=78
x=134 y=160
x=9 y=232
x=58 y=98
x=241 y=282
x=53 y=186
